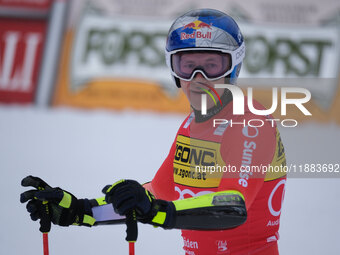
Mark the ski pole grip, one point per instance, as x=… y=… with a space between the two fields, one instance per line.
x=45 y=221
x=131 y=227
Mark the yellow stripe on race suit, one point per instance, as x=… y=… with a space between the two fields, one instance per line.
x=277 y=166
x=208 y=200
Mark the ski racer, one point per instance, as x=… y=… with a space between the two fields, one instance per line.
x=207 y=185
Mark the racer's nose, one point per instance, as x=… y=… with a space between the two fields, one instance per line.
x=198 y=75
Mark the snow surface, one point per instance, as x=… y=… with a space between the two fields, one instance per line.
x=82 y=151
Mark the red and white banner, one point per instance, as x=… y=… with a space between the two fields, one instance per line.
x=23 y=4
x=21 y=48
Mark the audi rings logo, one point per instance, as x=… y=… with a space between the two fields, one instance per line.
x=270 y=200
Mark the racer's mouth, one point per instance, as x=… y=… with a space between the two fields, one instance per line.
x=197 y=87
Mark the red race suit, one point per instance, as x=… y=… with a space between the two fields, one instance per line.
x=240 y=142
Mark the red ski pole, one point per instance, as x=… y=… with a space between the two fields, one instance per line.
x=45 y=226
x=45 y=243
x=131 y=248
x=131 y=231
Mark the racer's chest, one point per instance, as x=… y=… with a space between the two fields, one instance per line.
x=198 y=165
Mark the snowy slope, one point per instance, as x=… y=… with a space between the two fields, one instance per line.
x=82 y=151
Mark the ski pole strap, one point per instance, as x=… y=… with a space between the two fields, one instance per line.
x=131 y=227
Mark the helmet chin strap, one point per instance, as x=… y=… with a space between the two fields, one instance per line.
x=177 y=81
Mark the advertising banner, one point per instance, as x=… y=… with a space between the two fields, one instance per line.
x=117 y=62
x=21 y=48
x=113 y=57
x=42 y=5
x=23 y=28
x=299 y=56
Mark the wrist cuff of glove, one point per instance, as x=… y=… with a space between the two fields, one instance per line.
x=84 y=215
x=163 y=214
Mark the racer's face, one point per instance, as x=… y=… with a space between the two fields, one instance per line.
x=209 y=64
x=194 y=89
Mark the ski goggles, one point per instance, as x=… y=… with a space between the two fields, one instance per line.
x=213 y=64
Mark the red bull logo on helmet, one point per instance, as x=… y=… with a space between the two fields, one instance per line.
x=201 y=30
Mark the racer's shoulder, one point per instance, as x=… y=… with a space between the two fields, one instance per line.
x=187 y=121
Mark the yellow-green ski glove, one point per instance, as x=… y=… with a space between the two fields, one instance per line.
x=64 y=209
